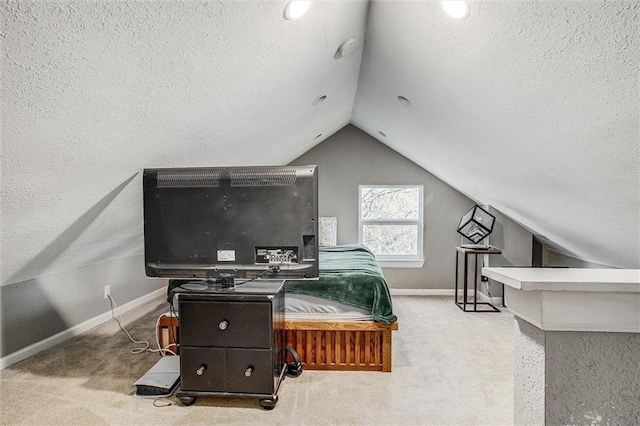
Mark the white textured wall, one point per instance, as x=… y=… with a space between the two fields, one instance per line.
x=576 y=377
x=92 y=92
x=529 y=374
x=531 y=107
x=593 y=378
x=95 y=91
x=35 y=310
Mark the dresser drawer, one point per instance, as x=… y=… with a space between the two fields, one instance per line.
x=202 y=369
x=229 y=324
x=247 y=371
x=250 y=371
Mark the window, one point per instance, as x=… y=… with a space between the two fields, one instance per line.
x=390 y=223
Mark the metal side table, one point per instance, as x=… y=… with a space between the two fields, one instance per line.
x=464 y=304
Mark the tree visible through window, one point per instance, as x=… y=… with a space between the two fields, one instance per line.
x=390 y=221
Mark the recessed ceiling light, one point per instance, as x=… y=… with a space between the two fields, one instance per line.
x=320 y=99
x=404 y=100
x=456 y=9
x=382 y=133
x=348 y=47
x=296 y=8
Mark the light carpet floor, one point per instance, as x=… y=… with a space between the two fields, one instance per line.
x=449 y=367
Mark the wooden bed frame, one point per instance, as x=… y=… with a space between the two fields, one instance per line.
x=341 y=345
x=324 y=345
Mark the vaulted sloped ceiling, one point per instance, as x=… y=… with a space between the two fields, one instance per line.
x=93 y=92
x=529 y=107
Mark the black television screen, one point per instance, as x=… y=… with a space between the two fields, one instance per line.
x=217 y=223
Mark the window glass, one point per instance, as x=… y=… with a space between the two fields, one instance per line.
x=390 y=221
x=391 y=239
x=390 y=202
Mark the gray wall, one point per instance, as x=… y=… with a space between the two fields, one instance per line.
x=552 y=258
x=350 y=158
x=34 y=310
x=516 y=243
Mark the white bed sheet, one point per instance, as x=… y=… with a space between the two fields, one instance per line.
x=303 y=307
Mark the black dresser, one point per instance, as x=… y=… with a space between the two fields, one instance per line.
x=232 y=342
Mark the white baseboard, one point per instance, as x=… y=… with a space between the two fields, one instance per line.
x=420 y=292
x=69 y=333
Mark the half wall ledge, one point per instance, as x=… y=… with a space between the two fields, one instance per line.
x=577 y=344
x=568 y=299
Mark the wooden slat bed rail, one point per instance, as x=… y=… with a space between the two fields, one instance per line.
x=341 y=345
x=323 y=345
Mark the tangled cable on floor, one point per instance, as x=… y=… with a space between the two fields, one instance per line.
x=146 y=345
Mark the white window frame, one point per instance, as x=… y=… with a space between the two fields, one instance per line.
x=396 y=261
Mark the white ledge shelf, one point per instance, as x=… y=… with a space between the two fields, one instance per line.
x=571 y=299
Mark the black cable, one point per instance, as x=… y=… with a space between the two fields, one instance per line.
x=294 y=369
x=273 y=268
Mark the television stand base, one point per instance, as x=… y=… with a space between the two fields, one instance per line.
x=224 y=282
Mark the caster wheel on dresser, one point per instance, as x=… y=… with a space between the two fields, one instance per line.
x=269 y=404
x=187 y=400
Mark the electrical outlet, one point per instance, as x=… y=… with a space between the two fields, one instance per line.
x=107 y=291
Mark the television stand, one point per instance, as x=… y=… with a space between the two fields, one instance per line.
x=211 y=284
x=232 y=342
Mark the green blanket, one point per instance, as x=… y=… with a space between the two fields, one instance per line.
x=349 y=274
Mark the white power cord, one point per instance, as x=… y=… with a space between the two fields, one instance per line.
x=166 y=348
x=486 y=286
x=146 y=347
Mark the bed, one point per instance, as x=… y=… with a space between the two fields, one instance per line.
x=350 y=277
x=343 y=320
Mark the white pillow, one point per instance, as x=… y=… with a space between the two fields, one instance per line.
x=328 y=230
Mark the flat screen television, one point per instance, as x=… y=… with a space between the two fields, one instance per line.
x=223 y=225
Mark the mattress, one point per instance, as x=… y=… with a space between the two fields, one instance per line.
x=311 y=308
x=350 y=275
x=304 y=307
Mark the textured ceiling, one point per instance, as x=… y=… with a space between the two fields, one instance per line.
x=93 y=92
x=529 y=107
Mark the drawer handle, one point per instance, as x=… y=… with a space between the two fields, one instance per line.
x=223 y=325
x=200 y=371
x=249 y=371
